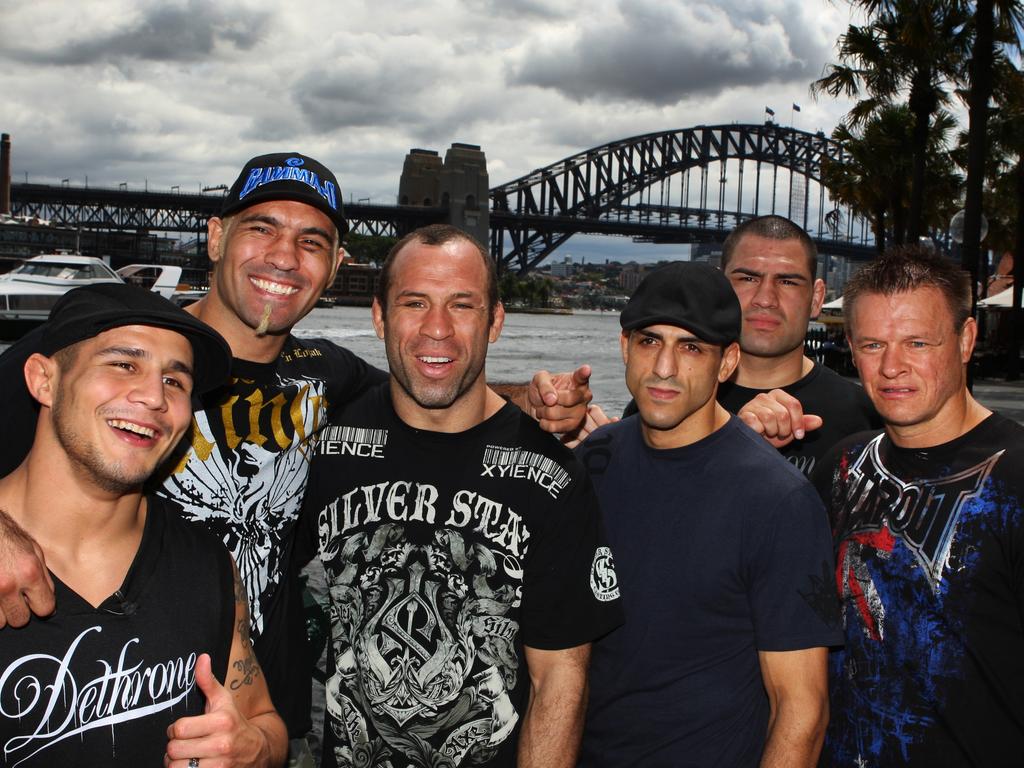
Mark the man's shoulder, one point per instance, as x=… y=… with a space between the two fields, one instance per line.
x=512 y=424
x=1003 y=436
x=751 y=459
x=315 y=350
x=177 y=533
x=369 y=406
x=607 y=438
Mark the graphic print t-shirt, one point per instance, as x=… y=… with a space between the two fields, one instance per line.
x=99 y=686
x=842 y=404
x=444 y=555
x=243 y=479
x=930 y=571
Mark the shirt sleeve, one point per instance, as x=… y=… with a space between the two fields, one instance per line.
x=350 y=377
x=791 y=575
x=570 y=593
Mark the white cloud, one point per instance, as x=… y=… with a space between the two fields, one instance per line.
x=184 y=92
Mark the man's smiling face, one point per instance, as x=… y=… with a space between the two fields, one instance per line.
x=279 y=255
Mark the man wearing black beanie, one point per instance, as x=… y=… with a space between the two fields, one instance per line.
x=147 y=659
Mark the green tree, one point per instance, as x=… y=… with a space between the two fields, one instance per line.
x=368 y=248
x=874 y=173
x=1006 y=199
x=995 y=25
x=909 y=48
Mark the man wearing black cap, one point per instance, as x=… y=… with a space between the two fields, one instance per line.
x=722 y=551
x=127 y=670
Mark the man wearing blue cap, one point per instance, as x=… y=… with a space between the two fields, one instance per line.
x=127 y=670
x=722 y=551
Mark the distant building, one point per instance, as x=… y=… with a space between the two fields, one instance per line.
x=459 y=184
x=354 y=285
x=631 y=275
x=709 y=253
x=564 y=269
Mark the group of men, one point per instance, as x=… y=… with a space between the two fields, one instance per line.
x=668 y=595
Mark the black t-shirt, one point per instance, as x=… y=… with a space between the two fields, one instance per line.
x=445 y=554
x=100 y=686
x=243 y=478
x=722 y=550
x=930 y=567
x=842 y=404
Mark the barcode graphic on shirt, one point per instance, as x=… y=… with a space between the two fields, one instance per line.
x=353 y=441
x=356 y=435
x=503 y=461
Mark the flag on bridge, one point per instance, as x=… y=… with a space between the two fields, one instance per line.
x=770 y=111
x=796 y=107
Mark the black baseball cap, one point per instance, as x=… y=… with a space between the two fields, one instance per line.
x=81 y=314
x=287 y=176
x=690 y=295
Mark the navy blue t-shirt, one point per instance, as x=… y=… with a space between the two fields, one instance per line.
x=722 y=550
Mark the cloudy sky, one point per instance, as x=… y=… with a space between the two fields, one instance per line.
x=182 y=92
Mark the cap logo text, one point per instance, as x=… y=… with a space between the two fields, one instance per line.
x=260 y=176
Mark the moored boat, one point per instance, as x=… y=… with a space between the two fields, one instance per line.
x=29 y=291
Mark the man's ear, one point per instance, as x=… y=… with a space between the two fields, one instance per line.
x=968 y=336
x=378 y=318
x=214 y=232
x=339 y=259
x=41 y=378
x=730 y=359
x=497 y=323
x=817 y=297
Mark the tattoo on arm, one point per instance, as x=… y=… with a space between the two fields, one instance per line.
x=247 y=668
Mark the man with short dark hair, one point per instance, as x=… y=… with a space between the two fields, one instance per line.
x=722 y=551
x=150 y=612
x=927 y=522
x=462 y=546
x=803 y=407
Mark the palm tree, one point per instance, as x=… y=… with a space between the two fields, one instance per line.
x=995 y=24
x=912 y=48
x=1006 y=132
x=873 y=176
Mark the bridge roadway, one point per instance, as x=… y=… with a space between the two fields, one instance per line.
x=638 y=187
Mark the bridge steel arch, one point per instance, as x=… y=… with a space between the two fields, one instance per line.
x=642 y=187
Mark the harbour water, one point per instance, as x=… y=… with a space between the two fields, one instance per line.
x=561 y=343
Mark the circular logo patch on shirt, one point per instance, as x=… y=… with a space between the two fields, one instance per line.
x=603 y=581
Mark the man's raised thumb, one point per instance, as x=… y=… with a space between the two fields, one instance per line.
x=216 y=694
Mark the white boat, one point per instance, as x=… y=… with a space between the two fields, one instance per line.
x=165 y=279
x=29 y=291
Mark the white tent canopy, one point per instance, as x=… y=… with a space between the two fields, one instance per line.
x=834 y=304
x=1002 y=300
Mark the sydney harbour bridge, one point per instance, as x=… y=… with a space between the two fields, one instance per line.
x=689 y=185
